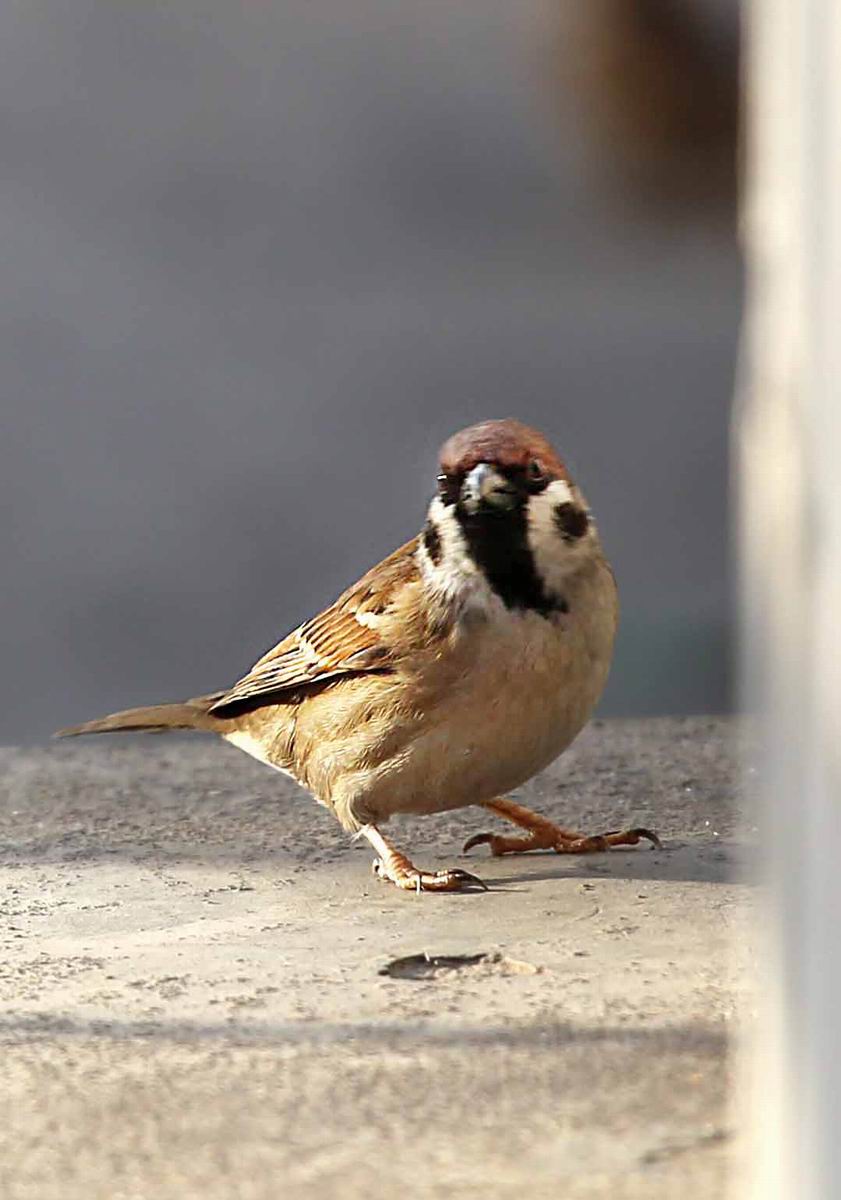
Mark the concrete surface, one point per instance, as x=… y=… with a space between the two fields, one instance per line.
x=191 y=1003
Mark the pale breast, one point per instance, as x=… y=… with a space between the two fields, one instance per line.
x=508 y=700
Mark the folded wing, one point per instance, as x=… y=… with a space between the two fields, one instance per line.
x=344 y=639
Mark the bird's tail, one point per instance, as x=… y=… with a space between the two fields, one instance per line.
x=156 y=718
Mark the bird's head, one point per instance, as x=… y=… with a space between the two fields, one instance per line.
x=507 y=502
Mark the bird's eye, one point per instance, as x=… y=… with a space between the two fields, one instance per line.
x=448 y=488
x=534 y=472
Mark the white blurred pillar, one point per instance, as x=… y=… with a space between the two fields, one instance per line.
x=788 y=464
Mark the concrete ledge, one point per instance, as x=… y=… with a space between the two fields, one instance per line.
x=191 y=1003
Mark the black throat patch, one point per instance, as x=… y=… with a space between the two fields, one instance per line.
x=498 y=544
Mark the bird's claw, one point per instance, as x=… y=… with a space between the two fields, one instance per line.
x=466 y=877
x=411 y=879
x=478 y=839
x=636 y=834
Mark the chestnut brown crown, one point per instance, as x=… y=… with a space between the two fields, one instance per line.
x=508 y=444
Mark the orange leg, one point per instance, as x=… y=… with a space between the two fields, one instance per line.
x=395 y=867
x=544 y=835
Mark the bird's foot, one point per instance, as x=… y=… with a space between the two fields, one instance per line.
x=562 y=842
x=545 y=835
x=397 y=869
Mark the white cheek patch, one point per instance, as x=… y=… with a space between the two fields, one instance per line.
x=543 y=529
x=554 y=556
x=454 y=551
x=455 y=575
x=559 y=492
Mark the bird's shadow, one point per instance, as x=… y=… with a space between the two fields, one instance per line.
x=682 y=861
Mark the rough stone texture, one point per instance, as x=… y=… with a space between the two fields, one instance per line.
x=190 y=1003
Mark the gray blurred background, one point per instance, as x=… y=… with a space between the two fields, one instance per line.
x=260 y=259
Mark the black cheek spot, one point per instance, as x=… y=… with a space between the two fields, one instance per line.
x=432 y=543
x=572 y=522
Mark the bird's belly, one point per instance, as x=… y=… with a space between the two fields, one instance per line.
x=517 y=709
x=449 y=768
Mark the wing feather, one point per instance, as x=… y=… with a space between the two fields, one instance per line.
x=343 y=639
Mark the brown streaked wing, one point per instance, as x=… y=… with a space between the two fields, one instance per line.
x=341 y=640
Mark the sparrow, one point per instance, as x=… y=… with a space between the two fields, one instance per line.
x=450 y=673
